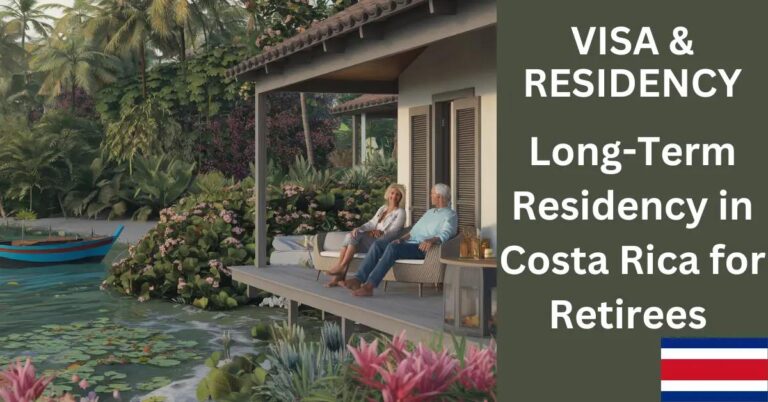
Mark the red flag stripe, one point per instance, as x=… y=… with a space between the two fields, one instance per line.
x=714 y=370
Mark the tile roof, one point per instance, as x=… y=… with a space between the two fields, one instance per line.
x=343 y=22
x=364 y=101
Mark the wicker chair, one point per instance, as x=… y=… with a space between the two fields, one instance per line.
x=427 y=271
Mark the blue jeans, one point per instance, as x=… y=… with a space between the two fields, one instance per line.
x=382 y=256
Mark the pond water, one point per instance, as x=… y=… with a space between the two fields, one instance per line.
x=59 y=317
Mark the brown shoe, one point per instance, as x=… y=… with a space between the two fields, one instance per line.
x=352 y=283
x=364 y=291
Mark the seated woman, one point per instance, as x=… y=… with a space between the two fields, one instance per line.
x=385 y=224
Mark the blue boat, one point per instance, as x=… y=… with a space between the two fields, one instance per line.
x=55 y=251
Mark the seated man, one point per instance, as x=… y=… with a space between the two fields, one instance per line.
x=436 y=226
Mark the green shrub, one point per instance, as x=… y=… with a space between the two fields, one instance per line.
x=304 y=175
x=186 y=256
x=382 y=167
x=26 y=215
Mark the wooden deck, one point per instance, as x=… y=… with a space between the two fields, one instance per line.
x=400 y=308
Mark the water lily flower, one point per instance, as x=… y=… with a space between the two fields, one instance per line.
x=92 y=397
x=83 y=384
x=21 y=385
x=116 y=394
x=75 y=378
x=209 y=280
x=215 y=284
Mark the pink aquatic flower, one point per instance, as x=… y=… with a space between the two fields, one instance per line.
x=92 y=397
x=116 y=394
x=209 y=280
x=75 y=378
x=21 y=385
x=368 y=361
x=83 y=384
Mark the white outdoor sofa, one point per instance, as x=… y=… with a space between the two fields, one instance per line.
x=326 y=249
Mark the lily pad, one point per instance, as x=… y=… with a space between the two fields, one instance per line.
x=163 y=362
x=114 y=375
x=153 y=384
x=101 y=389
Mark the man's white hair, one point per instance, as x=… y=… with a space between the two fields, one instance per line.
x=443 y=190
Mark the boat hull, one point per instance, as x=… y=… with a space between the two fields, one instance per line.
x=75 y=252
x=13 y=264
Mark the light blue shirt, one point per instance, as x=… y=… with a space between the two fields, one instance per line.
x=437 y=222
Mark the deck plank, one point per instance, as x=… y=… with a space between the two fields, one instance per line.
x=400 y=308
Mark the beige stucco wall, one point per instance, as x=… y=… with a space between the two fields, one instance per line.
x=465 y=61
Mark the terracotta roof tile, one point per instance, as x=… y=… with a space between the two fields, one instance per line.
x=364 y=101
x=349 y=19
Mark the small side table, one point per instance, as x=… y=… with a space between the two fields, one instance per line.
x=469 y=296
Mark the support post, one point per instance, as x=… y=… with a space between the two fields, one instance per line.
x=347 y=329
x=354 y=139
x=293 y=312
x=363 y=134
x=260 y=187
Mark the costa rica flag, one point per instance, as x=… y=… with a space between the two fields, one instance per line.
x=714 y=369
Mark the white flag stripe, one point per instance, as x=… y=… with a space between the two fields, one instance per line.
x=714 y=386
x=714 y=354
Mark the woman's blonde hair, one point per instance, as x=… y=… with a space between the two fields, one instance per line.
x=401 y=189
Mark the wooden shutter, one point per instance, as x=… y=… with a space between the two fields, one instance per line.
x=466 y=161
x=420 y=121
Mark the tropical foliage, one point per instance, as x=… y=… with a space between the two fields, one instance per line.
x=148 y=79
x=185 y=258
x=385 y=369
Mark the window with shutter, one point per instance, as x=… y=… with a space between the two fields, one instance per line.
x=421 y=155
x=466 y=161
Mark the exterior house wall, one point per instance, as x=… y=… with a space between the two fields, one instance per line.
x=464 y=61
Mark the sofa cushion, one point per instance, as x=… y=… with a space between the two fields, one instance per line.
x=289 y=258
x=411 y=262
x=288 y=243
x=333 y=241
x=336 y=254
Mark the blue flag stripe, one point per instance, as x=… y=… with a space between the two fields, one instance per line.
x=714 y=396
x=741 y=343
